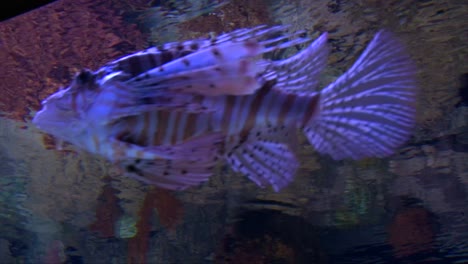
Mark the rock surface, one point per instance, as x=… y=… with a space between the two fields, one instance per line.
x=49 y=195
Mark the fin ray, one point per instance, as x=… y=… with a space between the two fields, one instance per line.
x=140 y=62
x=232 y=78
x=302 y=71
x=232 y=55
x=183 y=165
x=264 y=159
x=368 y=111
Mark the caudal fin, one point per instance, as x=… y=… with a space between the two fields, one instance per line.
x=370 y=110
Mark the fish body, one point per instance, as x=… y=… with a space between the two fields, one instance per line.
x=168 y=115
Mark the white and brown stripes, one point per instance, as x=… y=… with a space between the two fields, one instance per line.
x=234 y=115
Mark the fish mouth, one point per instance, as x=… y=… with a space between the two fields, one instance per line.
x=44 y=125
x=49 y=121
x=47 y=126
x=38 y=118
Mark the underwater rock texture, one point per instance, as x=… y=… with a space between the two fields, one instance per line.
x=412 y=232
x=41 y=50
x=59 y=195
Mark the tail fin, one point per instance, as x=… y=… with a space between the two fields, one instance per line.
x=369 y=111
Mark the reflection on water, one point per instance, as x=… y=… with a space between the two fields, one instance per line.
x=72 y=207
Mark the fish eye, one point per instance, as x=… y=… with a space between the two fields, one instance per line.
x=85 y=78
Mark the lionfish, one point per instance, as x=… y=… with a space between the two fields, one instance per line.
x=168 y=115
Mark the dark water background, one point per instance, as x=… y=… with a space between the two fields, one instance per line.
x=71 y=207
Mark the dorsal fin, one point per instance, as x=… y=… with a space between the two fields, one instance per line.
x=301 y=72
x=227 y=68
x=140 y=62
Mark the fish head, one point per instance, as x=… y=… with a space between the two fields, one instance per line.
x=64 y=113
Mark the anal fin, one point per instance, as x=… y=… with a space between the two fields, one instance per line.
x=265 y=159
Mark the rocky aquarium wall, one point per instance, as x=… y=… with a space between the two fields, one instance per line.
x=69 y=206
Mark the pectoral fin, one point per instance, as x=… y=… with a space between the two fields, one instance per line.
x=170 y=174
x=197 y=149
x=173 y=167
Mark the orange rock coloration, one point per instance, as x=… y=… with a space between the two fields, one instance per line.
x=411 y=232
x=170 y=212
x=43 y=49
x=107 y=213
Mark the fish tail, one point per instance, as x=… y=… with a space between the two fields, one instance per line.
x=370 y=110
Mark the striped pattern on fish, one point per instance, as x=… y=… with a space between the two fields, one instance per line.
x=168 y=115
x=235 y=115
